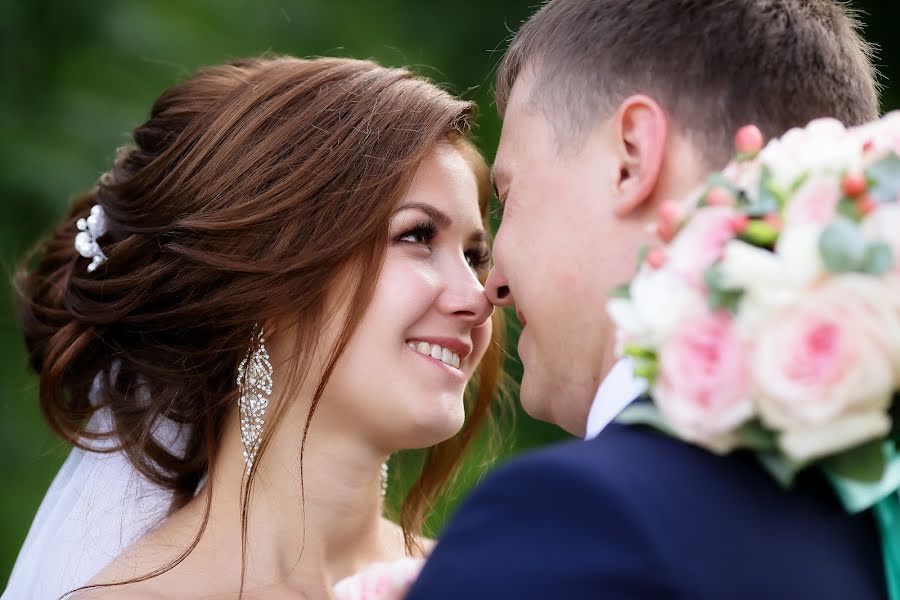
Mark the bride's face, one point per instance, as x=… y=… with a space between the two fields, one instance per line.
x=401 y=379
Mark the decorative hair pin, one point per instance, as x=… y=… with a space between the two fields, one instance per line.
x=91 y=229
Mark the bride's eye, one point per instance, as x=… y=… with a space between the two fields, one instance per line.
x=478 y=257
x=420 y=233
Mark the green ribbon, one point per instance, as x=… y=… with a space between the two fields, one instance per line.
x=883 y=498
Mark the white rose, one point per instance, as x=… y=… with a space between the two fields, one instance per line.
x=772 y=280
x=822 y=145
x=659 y=300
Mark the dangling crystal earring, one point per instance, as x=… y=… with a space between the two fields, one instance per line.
x=254 y=380
x=384 y=478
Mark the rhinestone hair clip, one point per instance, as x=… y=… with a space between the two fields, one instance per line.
x=90 y=230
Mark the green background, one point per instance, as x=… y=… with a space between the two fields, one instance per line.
x=78 y=76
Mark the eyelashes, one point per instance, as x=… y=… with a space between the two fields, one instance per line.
x=423 y=233
x=420 y=233
x=479 y=257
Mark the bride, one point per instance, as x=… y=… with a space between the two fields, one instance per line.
x=275 y=287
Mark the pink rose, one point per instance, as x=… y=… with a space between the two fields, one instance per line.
x=704 y=384
x=815 y=203
x=701 y=241
x=823 y=367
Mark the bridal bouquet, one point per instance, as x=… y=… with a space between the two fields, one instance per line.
x=768 y=317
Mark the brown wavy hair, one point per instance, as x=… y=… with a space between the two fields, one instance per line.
x=247 y=190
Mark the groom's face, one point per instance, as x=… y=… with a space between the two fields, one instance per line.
x=558 y=252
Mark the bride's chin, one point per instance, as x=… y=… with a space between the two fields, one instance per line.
x=428 y=428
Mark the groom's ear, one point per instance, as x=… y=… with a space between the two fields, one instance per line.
x=640 y=126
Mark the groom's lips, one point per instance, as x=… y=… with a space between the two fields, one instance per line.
x=521 y=317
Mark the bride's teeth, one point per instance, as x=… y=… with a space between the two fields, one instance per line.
x=434 y=351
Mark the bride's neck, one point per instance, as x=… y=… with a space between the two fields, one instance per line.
x=329 y=527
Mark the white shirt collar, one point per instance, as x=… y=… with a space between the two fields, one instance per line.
x=618 y=390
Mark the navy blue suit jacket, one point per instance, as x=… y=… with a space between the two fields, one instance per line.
x=635 y=514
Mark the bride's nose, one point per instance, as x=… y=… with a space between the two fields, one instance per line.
x=464 y=298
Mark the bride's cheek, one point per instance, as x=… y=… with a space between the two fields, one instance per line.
x=481 y=337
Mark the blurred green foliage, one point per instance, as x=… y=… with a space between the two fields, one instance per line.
x=78 y=76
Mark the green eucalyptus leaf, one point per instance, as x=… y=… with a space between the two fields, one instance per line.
x=720 y=297
x=847 y=208
x=642 y=254
x=894 y=413
x=884 y=178
x=769 y=197
x=863 y=463
x=780 y=467
x=798 y=183
x=842 y=247
x=622 y=291
x=878 y=259
x=719 y=179
x=755 y=435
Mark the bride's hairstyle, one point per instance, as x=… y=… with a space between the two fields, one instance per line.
x=251 y=187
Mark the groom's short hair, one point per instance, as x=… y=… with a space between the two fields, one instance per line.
x=713 y=65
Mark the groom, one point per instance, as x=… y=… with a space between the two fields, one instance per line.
x=611 y=107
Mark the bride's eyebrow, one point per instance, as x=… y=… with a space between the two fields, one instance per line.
x=440 y=218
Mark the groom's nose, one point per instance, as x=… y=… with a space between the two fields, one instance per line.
x=497 y=288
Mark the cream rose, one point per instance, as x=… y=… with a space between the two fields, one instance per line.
x=823 y=372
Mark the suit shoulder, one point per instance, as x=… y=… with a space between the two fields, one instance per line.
x=609 y=458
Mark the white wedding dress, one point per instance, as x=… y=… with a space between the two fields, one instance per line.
x=98 y=505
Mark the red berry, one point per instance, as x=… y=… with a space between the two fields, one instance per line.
x=773 y=220
x=749 y=139
x=866 y=204
x=667 y=225
x=739 y=224
x=854 y=184
x=656 y=258
x=719 y=196
x=669 y=211
x=665 y=232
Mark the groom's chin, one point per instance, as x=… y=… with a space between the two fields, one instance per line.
x=544 y=401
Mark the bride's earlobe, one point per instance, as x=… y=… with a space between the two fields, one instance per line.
x=641 y=127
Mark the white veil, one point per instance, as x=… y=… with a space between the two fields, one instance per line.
x=97 y=505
